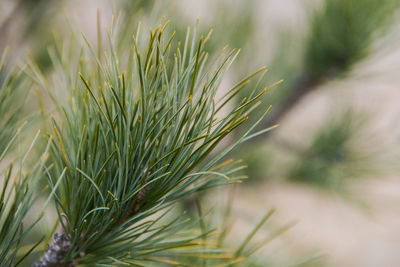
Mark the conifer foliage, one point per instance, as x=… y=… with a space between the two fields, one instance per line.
x=139 y=133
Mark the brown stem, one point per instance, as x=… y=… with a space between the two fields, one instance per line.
x=302 y=87
x=304 y=84
x=136 y=204
x=56 y=252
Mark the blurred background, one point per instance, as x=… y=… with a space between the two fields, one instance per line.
x=331 y=167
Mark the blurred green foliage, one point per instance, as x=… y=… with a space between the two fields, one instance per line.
x=18 y=194
x=335 y=154
x=13 y=92
x=25 y=25
x=340 y=34
x=342 y=31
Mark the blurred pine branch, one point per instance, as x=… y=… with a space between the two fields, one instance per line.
x=341 y=34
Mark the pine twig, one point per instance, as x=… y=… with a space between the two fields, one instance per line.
x=56 y=252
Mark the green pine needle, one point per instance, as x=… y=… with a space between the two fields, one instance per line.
x=139 y=132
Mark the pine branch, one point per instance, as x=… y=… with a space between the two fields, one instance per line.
x=137 y=135
x=341 y=35
x=56 y=252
